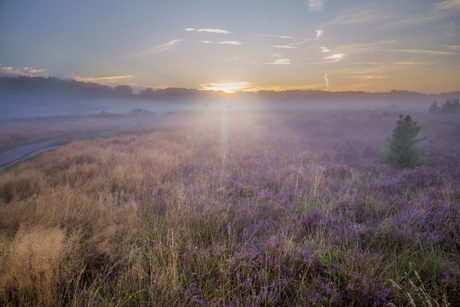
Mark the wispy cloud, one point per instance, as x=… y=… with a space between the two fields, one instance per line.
x=335 y=57
x=112 y=80
x=219 y=31
x=324 y=49
x=375 y=70
x=384 y=14
x=369 y=77
x=362 y=15
x=284 y=46
x=315 y=5
x=412 y=63
x=353 y=49
x=157 y=49
x=231 y=43
x=278 y=36
x=234 y=43
x=24 y=71
x=280 y=62
x=288 y=46
x=319 y=33
x=429 y=52
x=449 y=5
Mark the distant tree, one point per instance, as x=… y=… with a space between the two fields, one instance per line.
x=400 y=149
x=434 y=107
x=147 y=93
x=451 y=106
x=123 y=90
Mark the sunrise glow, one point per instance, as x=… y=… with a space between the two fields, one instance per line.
x=225 y=87
x=233 y=46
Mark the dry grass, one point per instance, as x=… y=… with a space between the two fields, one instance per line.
x=188 y=215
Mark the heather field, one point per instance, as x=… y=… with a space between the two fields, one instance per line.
x=232 y=208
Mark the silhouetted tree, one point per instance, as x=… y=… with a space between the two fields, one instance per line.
x=123 y=90
x=434 y=107
x=147 y=93
x=451 y=106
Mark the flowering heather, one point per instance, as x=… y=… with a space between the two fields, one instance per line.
x=280 y=209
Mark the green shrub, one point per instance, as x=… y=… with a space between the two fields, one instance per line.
x=400 y=149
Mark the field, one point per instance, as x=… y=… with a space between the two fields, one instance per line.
x=232 y=208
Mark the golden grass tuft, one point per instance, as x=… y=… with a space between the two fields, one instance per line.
x=33 y=264
x=17 y=186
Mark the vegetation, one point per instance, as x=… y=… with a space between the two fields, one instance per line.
x=25 y=85
x=401 y=150
x=450 y=106
x=190 y=214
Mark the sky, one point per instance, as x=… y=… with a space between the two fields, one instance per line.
x=248 y=45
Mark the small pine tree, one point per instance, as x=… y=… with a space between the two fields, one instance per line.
x=400 y=149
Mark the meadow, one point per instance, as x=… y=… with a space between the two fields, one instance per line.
x=232 y=208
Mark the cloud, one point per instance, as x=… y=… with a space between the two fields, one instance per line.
x=375 y=71
x=25 y=71
x=33 y=71
x=361 y=15
x=235 y=43
x=319 y=33
x=385 y=15
x=353 y=49
x=288 y=46
x=369 y=77
x=429 y=52
x=284 y=46
x=278 y=36
x=230 y=43
x=315 y=5
x=335 y=57
x=280 y=62
x=411 y=63
x=326 y=79
x=220 y=31
x=112 y=80
x=449 y=5
x=189 y=29
x=157 y=49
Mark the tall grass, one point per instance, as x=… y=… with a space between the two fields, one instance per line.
x=280 y=211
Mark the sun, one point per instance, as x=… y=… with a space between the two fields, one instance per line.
x=231 y=87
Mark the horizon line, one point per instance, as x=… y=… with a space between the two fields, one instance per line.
x=253 y=90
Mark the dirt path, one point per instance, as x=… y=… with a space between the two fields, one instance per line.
x=18 y=154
